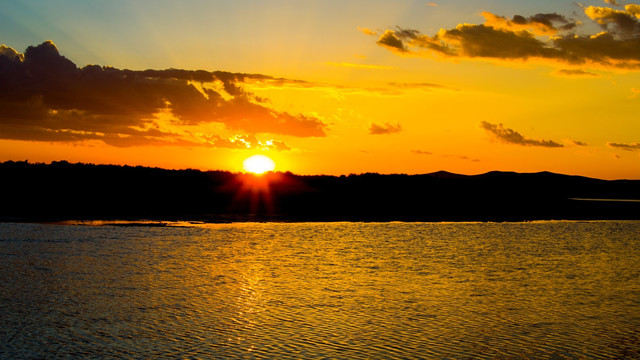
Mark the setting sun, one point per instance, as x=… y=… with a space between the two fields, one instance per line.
x=258 y=164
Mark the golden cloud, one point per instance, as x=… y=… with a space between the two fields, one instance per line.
x=550 y=38
x=242 y=142
x=540 y=24
x=367 y=31
x=45 y=97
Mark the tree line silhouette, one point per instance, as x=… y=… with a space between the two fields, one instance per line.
x=63 y=191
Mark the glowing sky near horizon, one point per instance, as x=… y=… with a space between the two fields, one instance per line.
x=335 y=87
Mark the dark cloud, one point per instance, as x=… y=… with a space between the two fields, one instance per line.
x=513 y=137
x=486 y=41
x=551 y=37
x=391 y=41
x=553 y=21
x=623 y=146
x=387 y=129
x=579 y=143
x=575 y=73
x=45 y=97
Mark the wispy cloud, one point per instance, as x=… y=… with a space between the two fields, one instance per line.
x=510 y=136
x=549 y=37
x=339 y=92
x=421 y=152
x=241 y=142
x=574 y=73
x=45 y=97
x=624 y=146
x=385 y=129
x=454 y=156
x=579 y=143
x=367 y=31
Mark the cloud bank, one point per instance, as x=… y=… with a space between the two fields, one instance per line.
x=45 y=97
x=510 y=136
x=549 y=37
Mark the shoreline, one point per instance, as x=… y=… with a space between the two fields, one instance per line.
x=186 y=223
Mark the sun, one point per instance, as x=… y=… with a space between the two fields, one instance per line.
x=258 y=164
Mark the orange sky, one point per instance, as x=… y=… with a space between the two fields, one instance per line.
x=389 y=87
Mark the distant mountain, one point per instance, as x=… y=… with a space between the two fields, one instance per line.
x=446 y=175
x=63 y=191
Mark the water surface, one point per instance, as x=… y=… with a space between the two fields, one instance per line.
x=556 y=290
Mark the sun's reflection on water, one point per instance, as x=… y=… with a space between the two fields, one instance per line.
x=342 y=290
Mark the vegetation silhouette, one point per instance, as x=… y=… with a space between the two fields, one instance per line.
x=64 y=191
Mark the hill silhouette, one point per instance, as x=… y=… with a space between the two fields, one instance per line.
x=64 y=191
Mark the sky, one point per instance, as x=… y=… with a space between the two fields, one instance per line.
x=325 y=87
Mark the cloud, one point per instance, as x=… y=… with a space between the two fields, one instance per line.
x=579 y=143
x=367 y=31
x=387 y=129
x=574 y=73
x=460 y=157
x=277 y=145
x=432 y=4
x=621 y=22
x=45 y=97
x=540 y=24
x=392 y=42
x=242 y=142
x=510 y=136
x=548 y=37
x=623 y=146
x=612 y=2
x=338 y=92
x=421 y=152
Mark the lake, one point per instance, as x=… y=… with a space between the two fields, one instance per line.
x=539 y=290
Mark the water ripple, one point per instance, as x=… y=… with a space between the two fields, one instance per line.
x=561 y=290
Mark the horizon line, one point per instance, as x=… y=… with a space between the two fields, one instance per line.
x=53 y=162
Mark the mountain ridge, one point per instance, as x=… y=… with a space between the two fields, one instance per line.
x=65 y=191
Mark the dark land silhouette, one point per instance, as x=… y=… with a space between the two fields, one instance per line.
x=65 y=191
